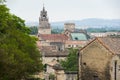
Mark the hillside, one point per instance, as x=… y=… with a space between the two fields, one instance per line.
x=85 y=23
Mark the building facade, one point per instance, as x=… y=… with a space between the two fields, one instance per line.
x=100 y=60
x=69 y=26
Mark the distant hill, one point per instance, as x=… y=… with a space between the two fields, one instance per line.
x=31 y=24
x=85 y=23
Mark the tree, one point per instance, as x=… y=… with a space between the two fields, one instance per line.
x=2 y=1
x=71 y=62
x=34 y=30
x=18 y=52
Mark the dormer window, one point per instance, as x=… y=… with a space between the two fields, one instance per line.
x=76 y=38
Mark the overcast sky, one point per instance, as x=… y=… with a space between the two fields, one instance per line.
x=60 y=10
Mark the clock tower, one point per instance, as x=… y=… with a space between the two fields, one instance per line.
x=44 y=25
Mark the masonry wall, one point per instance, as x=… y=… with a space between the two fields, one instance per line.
x=44 y=31
x=95 y=62
x=69 y=26
x=115 y=74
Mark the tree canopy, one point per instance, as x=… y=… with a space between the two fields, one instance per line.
x=71 y=62
x=2 y=1
x=19 y=56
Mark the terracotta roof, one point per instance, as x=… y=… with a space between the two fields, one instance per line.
x=51 y=53
x=48 y=48
x=55 y=54
x=110 y=43
x=53 y=37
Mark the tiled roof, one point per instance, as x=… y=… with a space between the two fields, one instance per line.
x=111 y=43
x=47 y=48
x=53 y=37
x=55 y=54
x=50 y=53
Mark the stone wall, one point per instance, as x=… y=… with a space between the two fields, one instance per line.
x=44 y=31
x=115 y=68
x=94 y=62
x=69 y=26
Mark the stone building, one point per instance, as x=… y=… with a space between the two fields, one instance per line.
x=100 y=60
x=44 y=25
x=51 y=53
x=57 y=40
x=55 y=46
x=69 y=26
x=55 y=71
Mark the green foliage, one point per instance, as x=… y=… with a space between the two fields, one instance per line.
x=71 y=63
x=56 y=31
x=18 y=52
x=52 y=77
x=34 y=30
x=2 y=1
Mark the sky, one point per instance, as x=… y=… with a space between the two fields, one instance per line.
x=61 y=10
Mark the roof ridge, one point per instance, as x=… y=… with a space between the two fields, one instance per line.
x=105 y=45
x=101 y=42
x=88 y=44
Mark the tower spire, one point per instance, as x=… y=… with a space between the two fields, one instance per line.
x=43 y=7
x=44 y=27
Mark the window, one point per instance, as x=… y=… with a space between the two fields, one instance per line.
x=119 y=67
x=69 y=45
x=84 y=64
x=76 y=38
x=44 y=16
x=76 y=45
x=95 y=78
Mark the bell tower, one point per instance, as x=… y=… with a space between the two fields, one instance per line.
x=44 y=25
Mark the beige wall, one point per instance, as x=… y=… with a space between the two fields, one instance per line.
x=69 y=26
x=60 y=75
x=44 y=43
x=50 y=70
x=70 y=43
x=94 y=61
x=44 y=31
